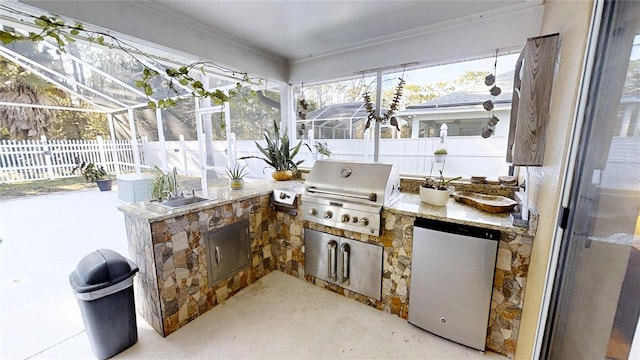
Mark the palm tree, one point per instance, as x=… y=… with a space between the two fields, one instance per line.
x=23 y=87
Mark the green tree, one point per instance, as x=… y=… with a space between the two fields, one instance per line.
x=77 y=125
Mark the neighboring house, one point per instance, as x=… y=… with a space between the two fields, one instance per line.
x=462 y=111
x=337 y=121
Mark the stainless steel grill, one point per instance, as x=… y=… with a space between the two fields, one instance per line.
x=349 y=195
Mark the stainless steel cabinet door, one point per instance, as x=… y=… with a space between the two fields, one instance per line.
x=360 y=267
x=351 y=264
x=228 y=251
x=319 y=258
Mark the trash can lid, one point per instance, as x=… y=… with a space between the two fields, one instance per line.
x=100 y=269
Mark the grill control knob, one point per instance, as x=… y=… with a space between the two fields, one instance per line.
x=354 y=219
x=345 y=218
x=364 y=222
x=283 y=196
x=328 y=214
x=312 y=211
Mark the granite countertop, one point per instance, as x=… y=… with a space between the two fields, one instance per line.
x=455 y=212
x=219 y=194
x=406 y=203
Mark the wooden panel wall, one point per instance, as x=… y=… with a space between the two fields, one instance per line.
x=537 y=74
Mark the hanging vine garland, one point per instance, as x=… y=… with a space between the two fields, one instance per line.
x=393 y=107
x=62 y=34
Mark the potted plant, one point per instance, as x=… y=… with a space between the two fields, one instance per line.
x=95 y=173
x=435 y=192
x=236 y=176
x=162 y=184
x=322 y=149
x=278 y=155
x=439 y=155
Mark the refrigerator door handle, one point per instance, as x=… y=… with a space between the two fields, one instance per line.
x=333 y=266
x=345 y=253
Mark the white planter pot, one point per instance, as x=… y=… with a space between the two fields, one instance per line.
x=439 y=158
x=434 y=196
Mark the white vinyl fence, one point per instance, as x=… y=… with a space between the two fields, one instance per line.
x=468 y=155
x=27 y=160
x=49 y=159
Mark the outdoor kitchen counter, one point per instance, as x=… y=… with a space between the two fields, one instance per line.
x=456 y=212
x=219 y=193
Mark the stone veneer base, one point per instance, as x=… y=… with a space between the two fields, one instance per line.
x=172 y=289
x=171 y=286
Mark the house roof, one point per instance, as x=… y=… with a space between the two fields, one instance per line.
x=475 y=94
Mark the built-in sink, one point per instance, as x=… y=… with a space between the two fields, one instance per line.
x=182 y=201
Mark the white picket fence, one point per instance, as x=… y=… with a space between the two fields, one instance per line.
x=27 y=160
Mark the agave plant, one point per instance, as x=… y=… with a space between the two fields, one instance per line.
x=278 y=154
x=236 y=172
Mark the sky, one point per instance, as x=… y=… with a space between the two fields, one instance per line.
x=451 y=72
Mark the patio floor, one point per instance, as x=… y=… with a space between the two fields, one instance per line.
x=43 y=239
x=278 y=317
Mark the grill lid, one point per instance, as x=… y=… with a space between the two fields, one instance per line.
x=372 y=183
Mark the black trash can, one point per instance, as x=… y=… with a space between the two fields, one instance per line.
x=103 y=285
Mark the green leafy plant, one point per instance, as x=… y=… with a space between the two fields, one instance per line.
x=236 y=172
x=91 y=171
x=439 y=183
x=440 y=152
x=162 y=184
x=278 y=154
x=322 y=149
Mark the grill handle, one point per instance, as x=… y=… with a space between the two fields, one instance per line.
x=371 y=197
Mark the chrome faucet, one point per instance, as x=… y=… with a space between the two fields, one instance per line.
x=176 y=187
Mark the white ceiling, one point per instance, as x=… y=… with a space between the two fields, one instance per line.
x=298 y=30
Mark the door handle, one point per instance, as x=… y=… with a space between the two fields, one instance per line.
x=217 y=256
x=345 y=253
x=332 y=263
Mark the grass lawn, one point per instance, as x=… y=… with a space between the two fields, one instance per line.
x=41 y=187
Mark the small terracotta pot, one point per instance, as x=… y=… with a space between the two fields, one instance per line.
x=282 y=175
x=236 y=184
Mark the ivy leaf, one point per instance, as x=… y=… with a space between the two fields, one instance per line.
x=184 y=82
x=42 y=22
x=100 y=40
x=148 y=90
x=161 y=104
x=140 y=83
x=74 y=32
x=152 y=105
x=6 y=37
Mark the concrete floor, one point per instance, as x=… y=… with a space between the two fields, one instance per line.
x=279 y=316
x=282 y=317
x=43 y=239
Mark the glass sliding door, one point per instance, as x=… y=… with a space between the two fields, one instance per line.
x=595 y=302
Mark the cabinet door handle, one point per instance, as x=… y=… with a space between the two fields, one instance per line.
x=345 y=253
x=217 y=255
x=332 y=263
